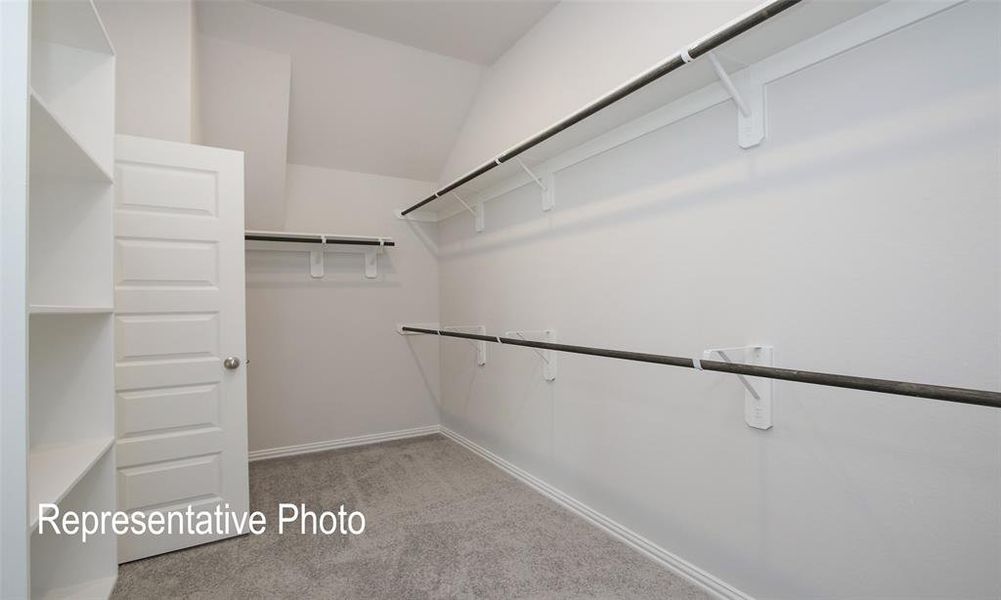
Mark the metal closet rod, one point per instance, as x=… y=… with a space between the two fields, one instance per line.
x=317 y=240
x=675 y=62
x=885 y=386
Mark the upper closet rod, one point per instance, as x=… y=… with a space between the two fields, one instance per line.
x=678 y=60
x=885 y=386
x=316 y=238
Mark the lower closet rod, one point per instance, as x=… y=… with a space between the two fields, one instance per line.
x=885 y=386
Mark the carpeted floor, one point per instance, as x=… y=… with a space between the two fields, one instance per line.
x=440 y=523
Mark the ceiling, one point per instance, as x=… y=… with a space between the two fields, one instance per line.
x=356 y=102
x=476 y=31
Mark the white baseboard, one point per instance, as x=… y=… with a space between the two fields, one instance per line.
x=712 y=584
x=360 y=440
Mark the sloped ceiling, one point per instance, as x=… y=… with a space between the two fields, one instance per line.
x=478 y=31
x=357 y=102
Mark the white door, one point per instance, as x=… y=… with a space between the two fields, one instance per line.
x=179 y=304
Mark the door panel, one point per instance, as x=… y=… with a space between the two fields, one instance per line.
x=153 y=336
x=162 y=446
x=149 y=261
x=153 y=411
x=169 y=189
x=173 y=481
x=179 y=303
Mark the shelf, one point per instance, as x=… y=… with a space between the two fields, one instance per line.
x=70 y=23
x=54 y=470
x=71 y=379
x=317 y=238
x=70 y=238
x=56 y=152
x=98 y=588
x=318 y=244
x=745 y=41
x=50 y=309
x=64 y=566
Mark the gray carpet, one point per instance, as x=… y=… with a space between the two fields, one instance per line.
x=441 y=523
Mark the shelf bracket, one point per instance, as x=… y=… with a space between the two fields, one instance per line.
x=372 y=260
x=548 y=193
x=316 y=259
x=757 y=390
x=548 y=356
x=545 y=184
x=481 y=346
x=479 y=218
x=750 y=103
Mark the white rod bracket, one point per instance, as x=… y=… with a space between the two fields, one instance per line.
x=757 y=390
x=545 y=184
x=316 y=259
x=724 y=78
x=481 y=346
x=548 y=356
x=371 y=264
x=750 y=103
x=549 y=193
x=534 y=177
x=480 y=218
x=372 y=259
x=478 y=213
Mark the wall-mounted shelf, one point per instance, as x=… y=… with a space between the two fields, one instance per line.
x=316 y=244
x=710 y=60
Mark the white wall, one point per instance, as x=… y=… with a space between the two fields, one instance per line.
x=154 y=51
x=243 y=99
x=326 y=362
x=15 y=35
x=862 y=237
x=574 y=55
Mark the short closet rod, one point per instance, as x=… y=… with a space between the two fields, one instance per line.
x=677 y=61
x=885 y=386
x=331 y=239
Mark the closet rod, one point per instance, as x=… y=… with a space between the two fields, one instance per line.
x=316 y=239
x=675 y=62
x=885 y=386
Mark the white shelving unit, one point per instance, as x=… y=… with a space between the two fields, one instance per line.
x=71 y=416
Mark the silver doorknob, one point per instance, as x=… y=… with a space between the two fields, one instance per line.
x=231 y=362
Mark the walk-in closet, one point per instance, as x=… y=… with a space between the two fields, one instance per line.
x=500 y=299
